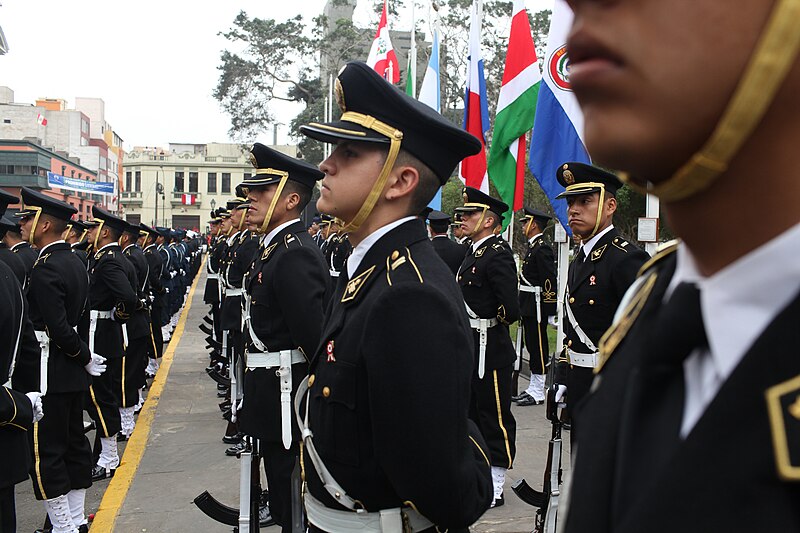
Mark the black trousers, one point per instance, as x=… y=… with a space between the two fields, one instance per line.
x=102 y=401
x=61 y=452
x=490 y=409
x=132 y=371
x=8 y=512
x=156 y=339
x=535 y=337
x=278 y=465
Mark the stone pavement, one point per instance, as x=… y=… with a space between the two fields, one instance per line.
x=184 y=456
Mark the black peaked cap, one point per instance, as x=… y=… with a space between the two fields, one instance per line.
x=6 y=199
x=266 y=160
x=110 y=220
x=149 y=229
x=426 y=134
x=48 y=205
x=580 y=178
x=475 y=196
x=540 y=217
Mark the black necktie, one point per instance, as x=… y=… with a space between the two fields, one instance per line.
x=652 y=412
x=577 y=263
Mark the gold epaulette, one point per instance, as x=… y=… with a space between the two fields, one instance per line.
x=398 y=259
x=663 y=251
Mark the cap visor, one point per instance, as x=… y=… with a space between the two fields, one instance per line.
x=576 y=192
x=338 y=131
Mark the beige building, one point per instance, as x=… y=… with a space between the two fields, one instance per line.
x=180 y=185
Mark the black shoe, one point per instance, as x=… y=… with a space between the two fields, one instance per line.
x=236 y=438
x=226 y=415
x=208 y=320
x=99 y=473
x=221 y=387
x=205 y=329
x=83 y=528
x=265 y=517
x=225 y=405
x=236 y=449
x=566 y=426
x=87 y=427
x=529 y=401
x=519 y=397
x=121 y=437
x=498 y=502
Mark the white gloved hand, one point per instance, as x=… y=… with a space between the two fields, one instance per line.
x=96 y=366
x=553 y=321
x=36 y=404
x=561 y=394
x=240 y=404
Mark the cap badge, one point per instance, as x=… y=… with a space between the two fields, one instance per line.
x=338 y=93
x=253 y=160
x=329 y=351
x=569 y=178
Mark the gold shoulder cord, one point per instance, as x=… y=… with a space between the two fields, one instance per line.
x=281 y=184
x=395 y=139
x=771 y=62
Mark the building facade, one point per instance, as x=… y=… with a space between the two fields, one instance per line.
x=179 y=186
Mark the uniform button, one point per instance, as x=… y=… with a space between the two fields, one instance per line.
x=326 y=391
x=572 y=300
x=591 y=302
x=311 y=380
x=395 y=255
x=569 y=343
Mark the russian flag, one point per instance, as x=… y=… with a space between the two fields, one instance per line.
x=476 y=112
x=558 y=129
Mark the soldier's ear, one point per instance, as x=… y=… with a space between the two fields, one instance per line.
x=611 y=205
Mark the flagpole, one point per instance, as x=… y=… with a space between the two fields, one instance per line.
x=411 y=83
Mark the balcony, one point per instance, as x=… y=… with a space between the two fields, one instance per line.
x=132 y=198
x=177 y=199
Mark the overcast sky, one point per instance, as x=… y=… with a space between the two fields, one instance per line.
x=154 y=63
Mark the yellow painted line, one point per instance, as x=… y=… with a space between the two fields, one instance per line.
x=117 y=490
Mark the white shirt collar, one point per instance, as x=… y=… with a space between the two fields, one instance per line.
x=150 y=246
x=477 y=244
x=741 y=300
x=108 y=246
x=49 y=245
x=444 y=235
x=271 y=235
x=588 y=245
x=128 y=247
x=530 y=241
x=363 y=247
x=232 y=238
x=20 y=243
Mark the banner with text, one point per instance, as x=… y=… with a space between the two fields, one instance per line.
x=78 y=185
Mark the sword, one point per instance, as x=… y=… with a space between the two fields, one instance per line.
x=44 y=345
x=285 y=375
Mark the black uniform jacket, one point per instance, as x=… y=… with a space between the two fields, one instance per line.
x=25 y=251
x=16 y=413
x=739 y=467
x=110 y=288
x=287 y=282
x=451 y=252
x=391 y=387
x=211 y=292
x=57 y=297
x=539 y=269
x=597 y=284
x=240 y=256
x=155 y=265
x=16 y=264
x=488 y=281
x=139 y=323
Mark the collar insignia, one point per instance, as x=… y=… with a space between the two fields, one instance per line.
x=597 y=254
x=480 y=252
x=783 y=406
x=268 y=251
x=355 y=284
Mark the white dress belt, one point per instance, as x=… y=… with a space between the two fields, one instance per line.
x=272 y=359
x=236 y=291
x=586 y=360
x=383 y=521
x=213 y=275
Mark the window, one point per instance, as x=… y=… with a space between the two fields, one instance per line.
x=138 y=183
x=192 y=181
x=128 y=184
x=212 y=182
x=179 y=181
x=226 y=182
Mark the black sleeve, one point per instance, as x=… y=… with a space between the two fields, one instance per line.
x=15 y=409
x=120 y=286
x=626 y=270
x=502 y=276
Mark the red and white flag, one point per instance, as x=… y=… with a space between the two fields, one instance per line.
x=381 y=56
x=188 y=199
x=41 y=120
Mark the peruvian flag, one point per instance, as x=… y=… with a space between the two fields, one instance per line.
x=381 y=56
x=41 y=120
x=476 y=112
x=516 y=111
x=188 y=199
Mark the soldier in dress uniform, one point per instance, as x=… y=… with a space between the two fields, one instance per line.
x=286 y=287
x=156 y=294
x=451 y=252
x=8 y=257
x=140 y=339
x=488 y=281
x=599 y=275
x=75 y=236
x=18 y=411
x=388 y=391
x=57 y=296
x=23 y=249
x=458 y=233
x=537 y=301
x=211 y=293
x=112 y=302
x=693 y=421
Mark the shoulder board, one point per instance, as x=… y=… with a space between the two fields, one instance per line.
x=621 y=243
x=598 y=253
x=291 y=239
x=399 y=259
x=127 y=252
x=42 y=259
x=497 y=246
x=663 y=251
x=783 y=406
x=99 y=254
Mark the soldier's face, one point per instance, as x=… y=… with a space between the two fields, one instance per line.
x=653 y=77
x=26 y=223
x=350 y=172
x=582 y=212
x=260 y=200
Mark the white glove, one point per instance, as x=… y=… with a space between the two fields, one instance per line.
x=560 y=395
x=166 y=289
x=36 y=403
x=553 y=321
x=96 y=366
x=183 y=273
x=240 y=404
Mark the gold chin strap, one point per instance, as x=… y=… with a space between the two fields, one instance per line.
x=774 y=56
x=83 y=235
x=66 y=232
x=395 y=140
x=35 y=221
x=527 y=226
x=281 y=184
x=483 y=208
x=97 y=233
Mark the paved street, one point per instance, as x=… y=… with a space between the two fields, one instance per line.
x=184 y=456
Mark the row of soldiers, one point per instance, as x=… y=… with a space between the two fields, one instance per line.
x=397 y=357
x=88 y=302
